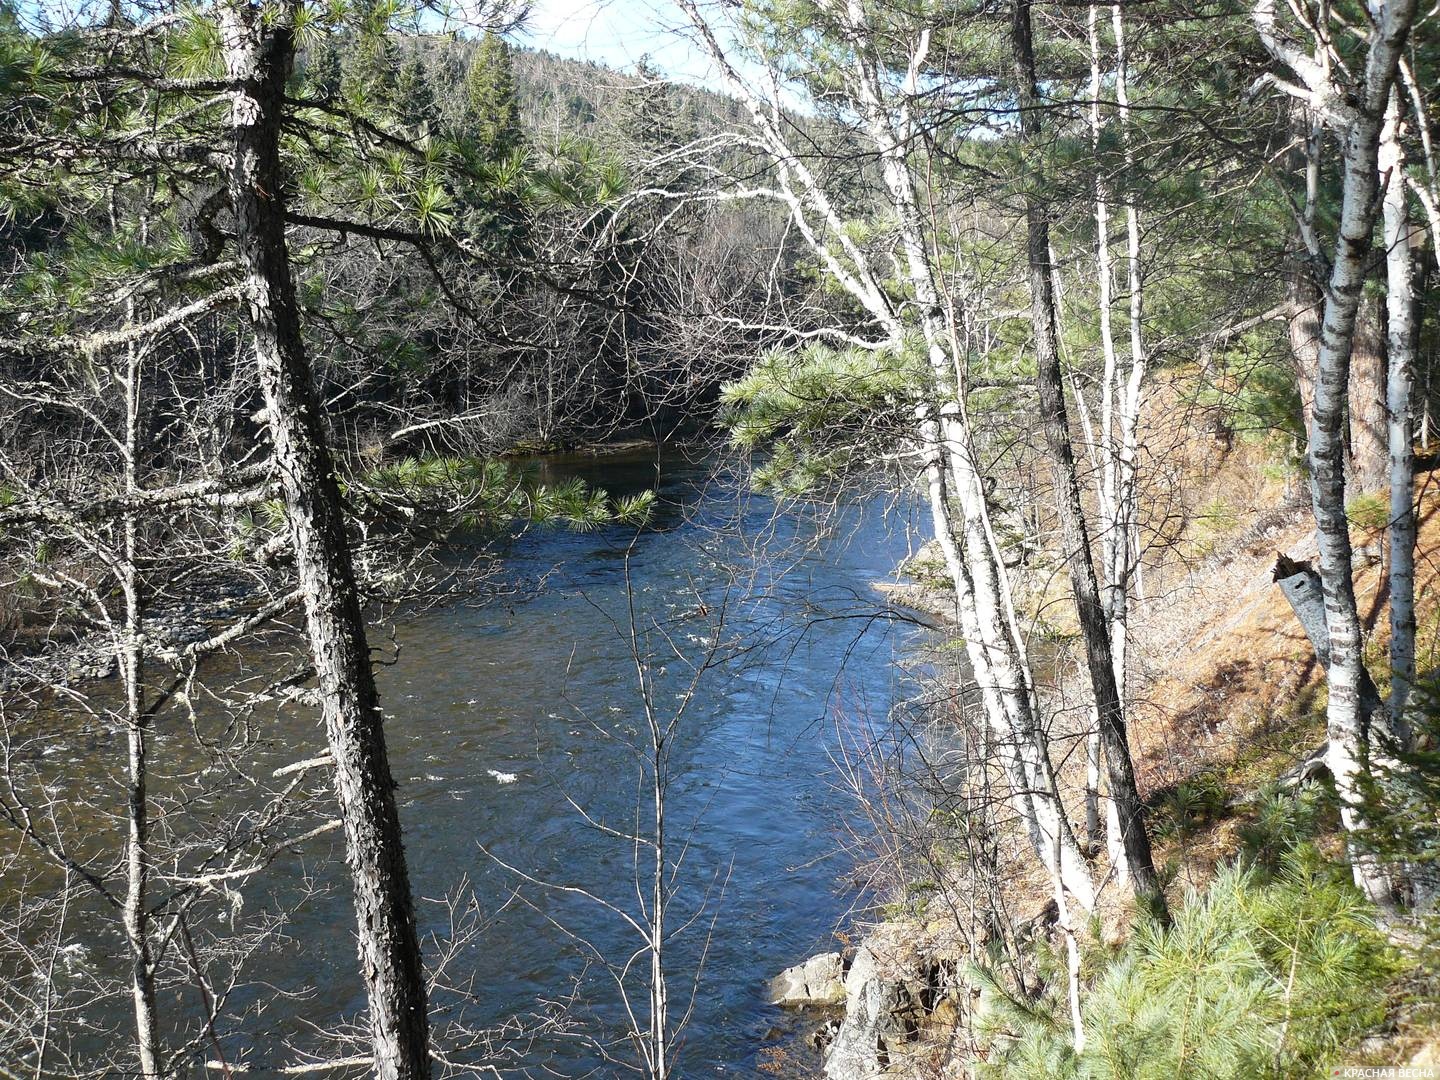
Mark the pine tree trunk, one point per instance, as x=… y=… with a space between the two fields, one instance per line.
x=1075 y=535
x=259 y=53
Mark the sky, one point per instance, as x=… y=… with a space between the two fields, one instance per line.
x=616 y=33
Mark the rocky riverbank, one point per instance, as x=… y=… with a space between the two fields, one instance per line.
x=1228 y=699
x=906 y=1002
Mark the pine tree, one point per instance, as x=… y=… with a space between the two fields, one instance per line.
x=414 y=101
x=69 y=97
x=1255 y=978
x=321 y=68
x=652 y=118
x=491 y=119
x=368 y=71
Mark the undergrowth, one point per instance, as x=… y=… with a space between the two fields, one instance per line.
x=1259 y=975
x=1273 y=970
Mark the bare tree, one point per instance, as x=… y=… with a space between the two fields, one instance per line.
x=658 y=856
x=1400 y=414
x=124 y=549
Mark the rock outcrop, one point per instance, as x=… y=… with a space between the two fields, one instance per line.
x=900 y=997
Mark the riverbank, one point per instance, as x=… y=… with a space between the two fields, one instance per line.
x=52 y=639
x=1228 y=699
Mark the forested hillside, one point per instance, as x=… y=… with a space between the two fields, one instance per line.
x=313 y=316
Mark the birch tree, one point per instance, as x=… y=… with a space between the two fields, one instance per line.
x=1400 y=414
x=1124 y=498
x=1355 y=109
x=1117 y=445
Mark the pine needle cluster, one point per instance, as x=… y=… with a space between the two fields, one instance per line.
x=469 y=494
x=1258 y=976
x=813 y=409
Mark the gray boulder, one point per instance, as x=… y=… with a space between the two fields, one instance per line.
x=901 y=996
x=873 y=1000
x=819 y=981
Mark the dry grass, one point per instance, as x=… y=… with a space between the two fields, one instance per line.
x=1229 y=694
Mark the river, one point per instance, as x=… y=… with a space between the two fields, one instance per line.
x=503 y=718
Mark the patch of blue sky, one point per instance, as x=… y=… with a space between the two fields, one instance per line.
x=617 y=34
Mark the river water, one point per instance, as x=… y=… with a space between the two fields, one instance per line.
x=538 y=691
x=503 y=719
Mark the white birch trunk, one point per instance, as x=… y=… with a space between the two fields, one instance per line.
x=982 y=593
x=1104 y=281
x=1017 y=774
x=136 y=913
x=1400 y=419
x=1072 y=971
x=1360 y=119
x=1114 y=538
x=1127 y=537
x=1427 y=190
x=997 y=624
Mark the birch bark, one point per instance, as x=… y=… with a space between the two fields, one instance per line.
x=1104 y=277
x=1027 y=789
x=1126 y=550
x=1359 y=118
x=1400 y=418
x=1427 y=190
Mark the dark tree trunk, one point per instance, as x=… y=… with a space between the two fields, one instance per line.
x=1049 y=380
x=259 y=55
